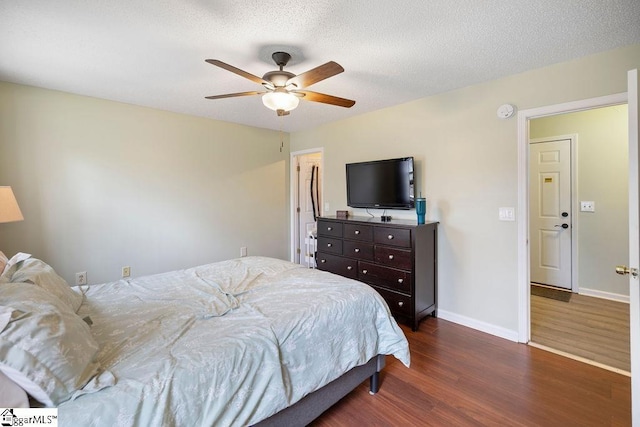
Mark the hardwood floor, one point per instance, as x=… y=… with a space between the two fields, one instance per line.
x=593 y=328
x=463 y=377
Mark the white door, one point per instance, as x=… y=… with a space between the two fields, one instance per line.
x=550 y=212
x=309 y=191
x=634 y=245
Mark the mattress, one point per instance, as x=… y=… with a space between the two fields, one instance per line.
x=228 y=343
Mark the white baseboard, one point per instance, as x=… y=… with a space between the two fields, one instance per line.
x=513 y=335
x=478 y=325
x=606 y=295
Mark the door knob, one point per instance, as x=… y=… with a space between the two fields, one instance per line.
x=562 y=225
x=624 y=270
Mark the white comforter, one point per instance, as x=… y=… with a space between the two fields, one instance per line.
x=228 y=343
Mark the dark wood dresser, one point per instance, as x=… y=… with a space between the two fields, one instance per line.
x=397 y=258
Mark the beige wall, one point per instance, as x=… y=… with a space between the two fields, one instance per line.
x=103 y=185
x=467 y=169
x=602 y=176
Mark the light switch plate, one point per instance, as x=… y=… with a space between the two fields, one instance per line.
x=507 y=214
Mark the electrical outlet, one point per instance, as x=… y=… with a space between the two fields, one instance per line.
x=126 y=271
x=587 y=206
x=81 y=278
x=243 y=251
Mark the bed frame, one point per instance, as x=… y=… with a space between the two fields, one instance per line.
x=314 y=404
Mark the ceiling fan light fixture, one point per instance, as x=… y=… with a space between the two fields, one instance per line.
x=280 y=99
x=284 y=89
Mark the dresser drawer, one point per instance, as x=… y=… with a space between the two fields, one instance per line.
x=398 y=303
x=329 y=228
x=392 y=236
x=358 y=250
x=332 y=246
x=334 y=264
x=358 y=232
x=378 y=275
x=393 y=257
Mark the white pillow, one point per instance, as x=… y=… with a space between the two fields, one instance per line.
x=37 y=272
x=10 y=265
x=45 y=347
x=11 y=394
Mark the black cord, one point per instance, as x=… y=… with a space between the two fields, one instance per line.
x=313 y=202
x=318 y=191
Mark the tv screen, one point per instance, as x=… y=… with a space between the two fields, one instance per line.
x=381 y=184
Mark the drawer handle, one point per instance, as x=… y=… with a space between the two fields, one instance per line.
x=356 y=250
x=329 y=228
x=390 y=256
x=400 y=303
x=400 y=280
x=323 y=261
x=329 y=245
x=364 y=271
x=357 y=231
x=390 y=237
x=349 y=268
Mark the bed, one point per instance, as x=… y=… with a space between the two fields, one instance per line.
x=250 y=341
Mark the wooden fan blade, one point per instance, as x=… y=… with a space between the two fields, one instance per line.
x=231 y=95
x=326 y=99
x=237 y=71
x=315 y=75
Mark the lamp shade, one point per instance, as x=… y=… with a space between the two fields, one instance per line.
x=280 y=99
x=9 y=210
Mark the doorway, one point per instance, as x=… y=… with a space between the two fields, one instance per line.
x=306 y=200
x=591 y=323
x=526 y=120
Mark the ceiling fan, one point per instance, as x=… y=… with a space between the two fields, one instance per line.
x=284 y=89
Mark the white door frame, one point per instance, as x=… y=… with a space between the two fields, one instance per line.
x=634 y=257
x=573 y=139
x=524 y=116
x=293 y=194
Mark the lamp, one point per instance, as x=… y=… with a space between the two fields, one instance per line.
x=280 y=99
x=9 y=209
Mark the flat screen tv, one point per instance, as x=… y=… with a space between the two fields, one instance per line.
x=381 y=184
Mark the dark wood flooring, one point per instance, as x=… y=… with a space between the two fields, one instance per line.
x=462 y=377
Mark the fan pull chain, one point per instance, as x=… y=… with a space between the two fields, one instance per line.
x=281 y=134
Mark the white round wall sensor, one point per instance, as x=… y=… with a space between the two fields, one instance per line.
x=505 y=111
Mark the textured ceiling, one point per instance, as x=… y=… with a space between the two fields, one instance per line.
x=152 y=53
